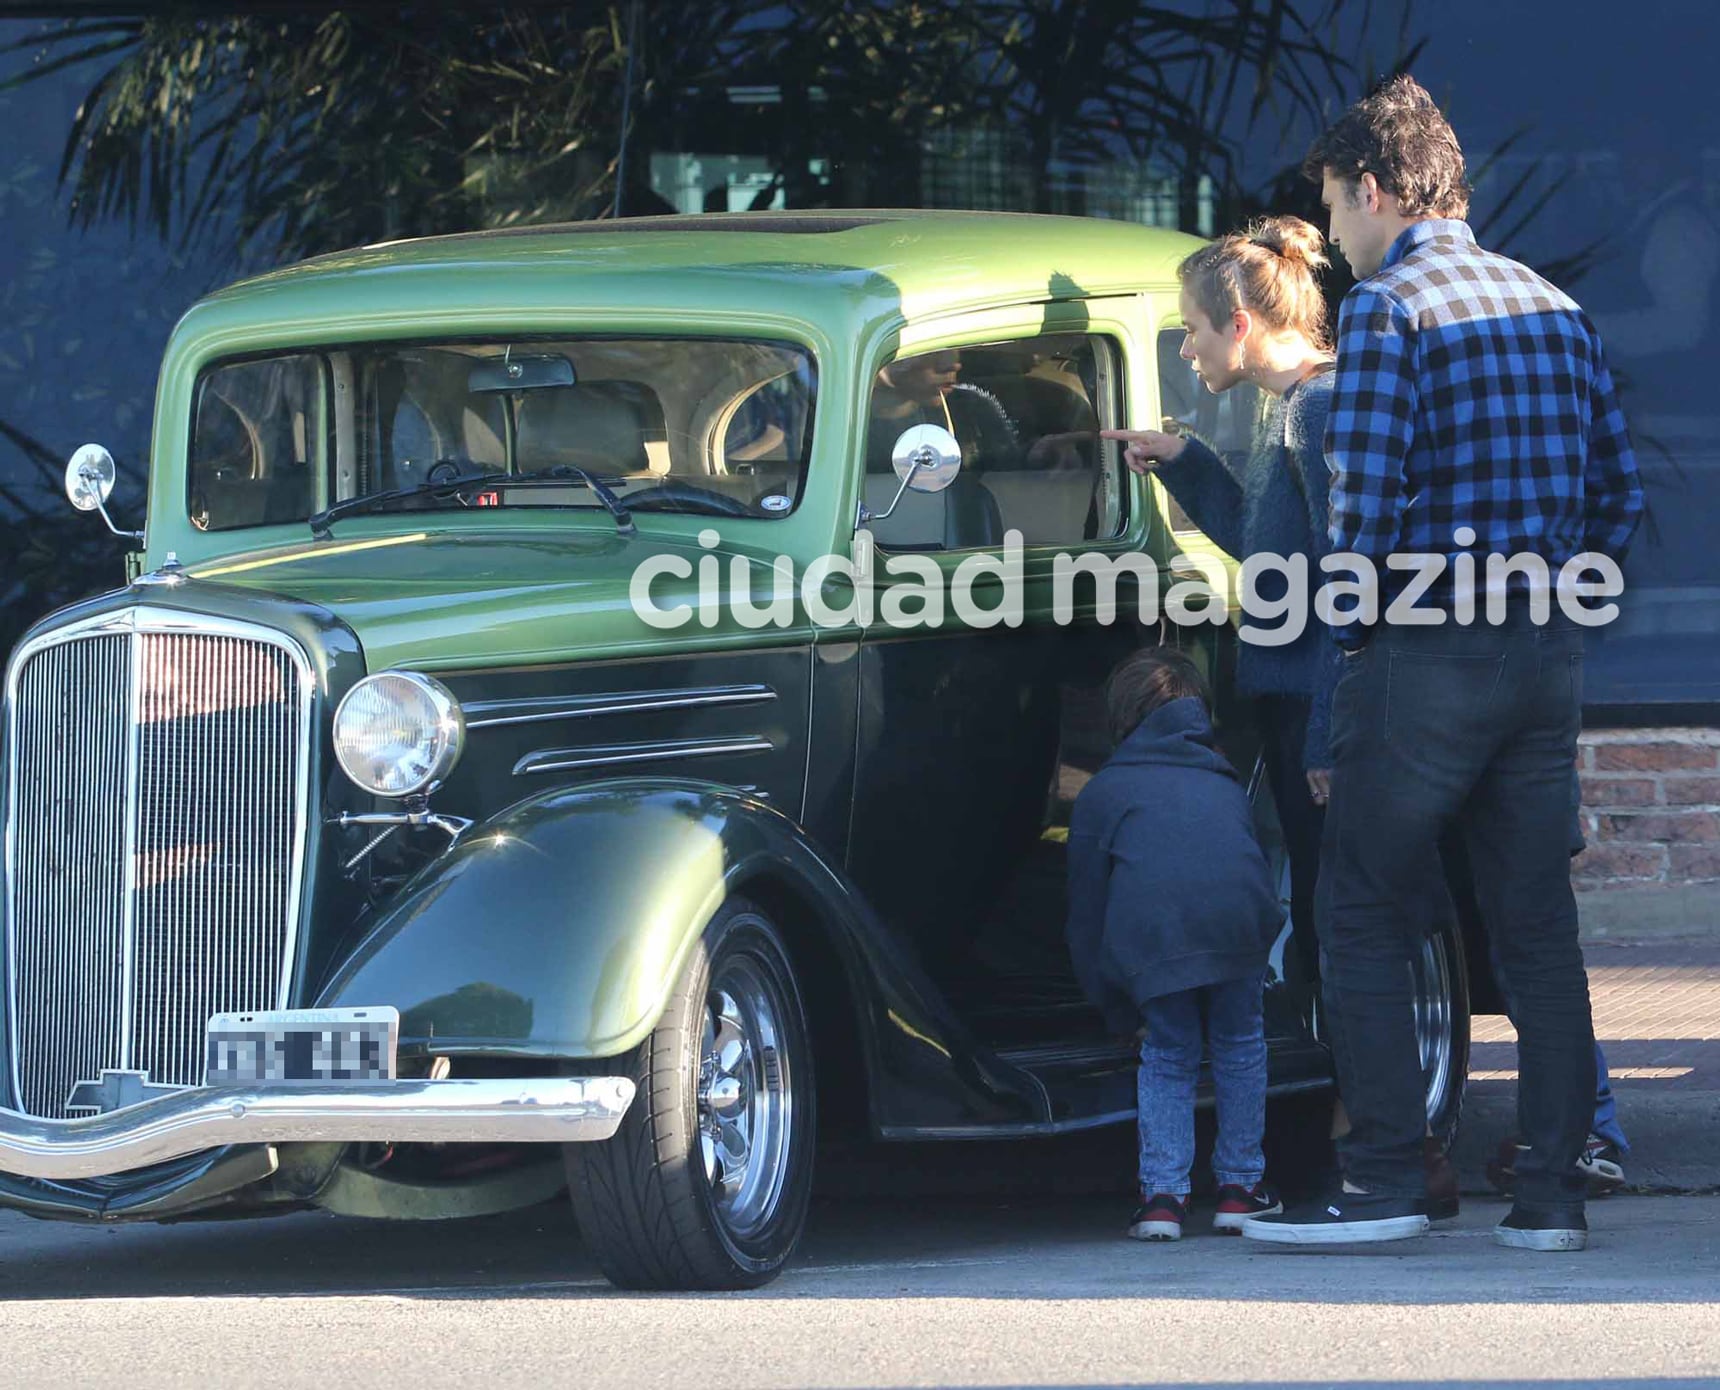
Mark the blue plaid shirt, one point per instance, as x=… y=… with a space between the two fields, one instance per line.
x=1470 y=392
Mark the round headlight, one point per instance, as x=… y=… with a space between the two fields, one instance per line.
x=398 y=733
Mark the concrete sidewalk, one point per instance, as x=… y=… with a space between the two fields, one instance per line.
x=1657 y=1015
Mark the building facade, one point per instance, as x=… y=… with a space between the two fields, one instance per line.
x=1177 y=113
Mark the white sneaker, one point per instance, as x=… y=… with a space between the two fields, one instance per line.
x=1599 y=1163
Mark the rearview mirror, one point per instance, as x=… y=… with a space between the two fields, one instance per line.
x=521 y=373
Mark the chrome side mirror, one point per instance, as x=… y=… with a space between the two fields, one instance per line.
x=89 y=482
x=926 y=458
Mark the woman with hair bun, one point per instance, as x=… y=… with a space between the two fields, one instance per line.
x=1253 y=311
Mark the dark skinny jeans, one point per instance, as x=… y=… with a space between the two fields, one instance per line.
x=1473 y=727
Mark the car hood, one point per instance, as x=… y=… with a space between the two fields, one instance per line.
x=447 y=601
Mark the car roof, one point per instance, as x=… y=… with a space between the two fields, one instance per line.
x=836 y=269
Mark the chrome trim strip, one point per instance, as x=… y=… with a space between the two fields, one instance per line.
x=135 y=623
x=565 y=759
x=494 y=714
x=1039 y=1129
x=533 y=1110
x=128 y=908
x=1022 y=1129
x=1070 y=1054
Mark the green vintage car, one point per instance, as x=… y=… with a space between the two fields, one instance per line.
x=424 y=830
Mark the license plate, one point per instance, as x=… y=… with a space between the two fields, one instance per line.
x=286 y=1045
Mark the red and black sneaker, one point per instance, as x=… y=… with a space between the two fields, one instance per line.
x=1160 y=1217
x=1238 y=1204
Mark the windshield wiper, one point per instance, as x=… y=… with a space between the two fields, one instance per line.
x=599 y=490
x=460 y=483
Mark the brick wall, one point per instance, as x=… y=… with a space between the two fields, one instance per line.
x=1651 y=808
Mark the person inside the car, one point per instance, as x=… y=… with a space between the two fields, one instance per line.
x=927 y=389
x=1171 y=915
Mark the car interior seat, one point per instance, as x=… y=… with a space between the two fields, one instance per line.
x=606 y=427
x=1049 y=500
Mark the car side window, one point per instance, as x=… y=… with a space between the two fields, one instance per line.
x=257 y=443
x=1227 y=422
x=767 y=426
x=1027 y=416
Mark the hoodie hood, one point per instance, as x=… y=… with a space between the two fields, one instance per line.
x=1168 y=887
x=1178 y=734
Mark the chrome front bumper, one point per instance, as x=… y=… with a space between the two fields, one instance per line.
x=553 y=1110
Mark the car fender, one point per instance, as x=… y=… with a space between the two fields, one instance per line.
x=557 y=930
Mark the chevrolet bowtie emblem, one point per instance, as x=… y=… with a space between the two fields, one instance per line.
x=115 y=1091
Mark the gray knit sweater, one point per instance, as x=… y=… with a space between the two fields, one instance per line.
x=1280 y=503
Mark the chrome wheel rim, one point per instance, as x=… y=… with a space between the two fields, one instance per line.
x=746 y=1097
x=1432 y=972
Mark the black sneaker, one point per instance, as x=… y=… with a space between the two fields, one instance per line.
x=1159 y=1218
x=1238 y=1205
x=1345 y=1218
x=1564 y=1228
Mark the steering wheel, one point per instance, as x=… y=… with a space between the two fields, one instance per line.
x=445 y=472
x=673 y=490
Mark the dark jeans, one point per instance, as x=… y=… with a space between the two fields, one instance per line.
x=1605 y=1122
x=1474 y=727
x=1301 y=820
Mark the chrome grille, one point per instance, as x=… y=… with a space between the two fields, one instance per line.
x=66 y=918
x=155 y=824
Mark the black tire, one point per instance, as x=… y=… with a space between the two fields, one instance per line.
x=650 y=1208
x=1445 y=1063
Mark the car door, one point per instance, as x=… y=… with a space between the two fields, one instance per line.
x=975 y=737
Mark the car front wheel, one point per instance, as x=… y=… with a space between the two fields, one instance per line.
x=705 y=1184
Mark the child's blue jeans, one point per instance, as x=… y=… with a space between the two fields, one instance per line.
x=1170 y=1069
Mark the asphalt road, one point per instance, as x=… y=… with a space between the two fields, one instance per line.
x=926 y=1292
x=968 y=1283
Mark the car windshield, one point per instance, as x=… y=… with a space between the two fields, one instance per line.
x=719 y=426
